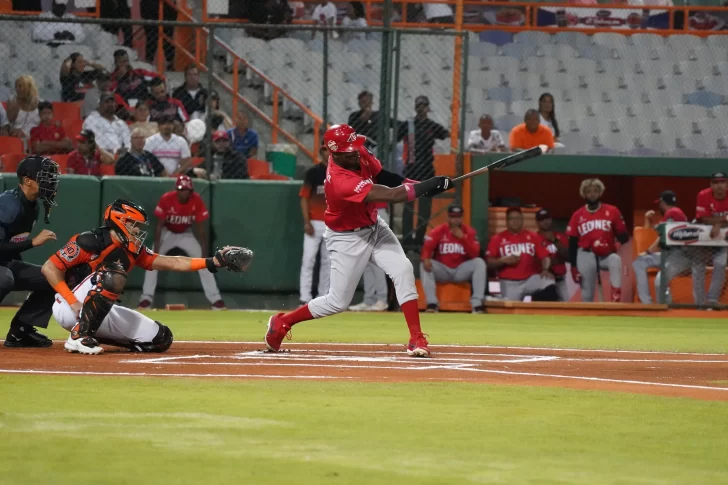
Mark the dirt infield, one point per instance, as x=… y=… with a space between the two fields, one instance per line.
x=699 y=376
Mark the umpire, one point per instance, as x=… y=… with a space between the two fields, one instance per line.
x=19 y=209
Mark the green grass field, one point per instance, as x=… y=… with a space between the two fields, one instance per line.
x=95 y=430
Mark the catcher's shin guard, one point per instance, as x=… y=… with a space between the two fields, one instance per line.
x=160 y=343
x=109 y=282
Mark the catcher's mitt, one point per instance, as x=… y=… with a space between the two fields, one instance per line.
x=234 y=258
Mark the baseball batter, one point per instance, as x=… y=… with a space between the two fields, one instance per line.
x=95 y=264
x=522 y=261
x=177 y=212
x=355 y=182
x=594 y=231
x=313 y=206
x=676 y=260
x=712 y=209
x=557 y=244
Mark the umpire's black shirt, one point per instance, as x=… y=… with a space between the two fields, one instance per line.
x=17 y=218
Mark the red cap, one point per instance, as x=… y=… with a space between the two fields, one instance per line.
x=220 y=135
x=343 y=138
x=184 y=182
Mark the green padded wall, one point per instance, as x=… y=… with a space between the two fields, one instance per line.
x=146 y=192
x=78 y=210
x=264 y=216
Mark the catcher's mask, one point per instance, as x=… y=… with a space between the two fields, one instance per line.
x=127 y=219
x=44 y=172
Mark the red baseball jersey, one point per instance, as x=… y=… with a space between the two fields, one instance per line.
x=605 y=222
x=84 y=166
x=558 y=265
x=527 y=244
x=53 y=132
x=443 y=246
x=708 y=205
x=674 y=214
x=178 y=217
x=345 y=193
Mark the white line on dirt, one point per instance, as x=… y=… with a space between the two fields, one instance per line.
x=443 y=366
x=159 y=374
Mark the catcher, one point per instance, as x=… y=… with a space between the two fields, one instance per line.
x=95 y=264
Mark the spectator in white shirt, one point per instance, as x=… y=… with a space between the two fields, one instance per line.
x=438 y=13
x=171 y=150
x=355 y=17
x=485 y=139
x=547 y=112
x=112 y=134
x=325 y=15
x=58 y=32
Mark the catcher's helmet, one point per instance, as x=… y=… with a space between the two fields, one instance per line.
x=343 y=138
x=126 y=219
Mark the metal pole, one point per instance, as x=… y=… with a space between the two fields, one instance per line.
x=395 y=101
x=384 y=122
x=463 y=93
x=208 y=118
x=326 y=81
x=662 y=297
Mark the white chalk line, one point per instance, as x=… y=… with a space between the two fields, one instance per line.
x=160 y=374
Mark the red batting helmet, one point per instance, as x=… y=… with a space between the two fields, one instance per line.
x=184 y=182
x=601 y=247
x=343 y=138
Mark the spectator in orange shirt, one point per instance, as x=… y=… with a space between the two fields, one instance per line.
x=531 y=133
x=87 y=159
x=452 y=253
x=49 y=136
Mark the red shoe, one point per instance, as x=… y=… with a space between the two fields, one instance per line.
x=417 y=347
x=616 y=295
x=219 y=305
x=277 y=331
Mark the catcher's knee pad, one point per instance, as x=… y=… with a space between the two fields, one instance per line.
x=160 y=343
x=109 y=282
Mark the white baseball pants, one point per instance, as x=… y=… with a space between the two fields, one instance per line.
x=472 y=270
x=350 y=253
x=189 y=244
x=122 y=325
x=375 y=281
x=586 y=263
x=311 y=246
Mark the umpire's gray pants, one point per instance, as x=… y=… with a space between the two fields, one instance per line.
x=472 y=270
x=516 y=290
x=676 y=263
x=586 y=263
x=700 y=256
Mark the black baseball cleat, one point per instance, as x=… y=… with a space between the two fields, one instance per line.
x=432 y=308
x=26 y=337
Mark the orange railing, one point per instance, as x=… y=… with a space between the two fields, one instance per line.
x=278 y=94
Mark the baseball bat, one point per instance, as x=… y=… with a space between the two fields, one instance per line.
x=507 y=161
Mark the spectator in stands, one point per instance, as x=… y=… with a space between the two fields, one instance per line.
x=365 y=121
x=676 y=260
x=23 y=108
x=220 y=120
x=547 y=113
x=162 y=105
x=76 y=79
x=131 y=84
x=557 y=244
x=58 y=32
x=4 y=123
x=452 y=253
x=711 y=209
x=325 y=15
x=438 y=13
x=117 y=9
x=355 y=17
x=226 y=162
x=419 y=135
x=88 y=157
x=49 y=137
x=522 y=261
x=138 y=162
x=141 y=121
x=244 y=139
x=112 y=133
x=171 y=150
x=191 y=94
x=149 y=9
x=485 y=139
x=93 y=96
x=270 y=12
x=531 y=133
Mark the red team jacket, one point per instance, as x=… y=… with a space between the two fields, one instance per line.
x=442 y=246
x=179 y=217
x=708 y=206
x=526 y=243
x=674 y=214
x=558 y=265
x=604 y=223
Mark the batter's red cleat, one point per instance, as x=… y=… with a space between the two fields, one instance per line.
x=616 y=295
x=277 y=331
x=418 y=347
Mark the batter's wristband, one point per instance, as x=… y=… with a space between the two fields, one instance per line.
x=63 y=290
x=410 y=188
x=210 y=265
x=410 y=181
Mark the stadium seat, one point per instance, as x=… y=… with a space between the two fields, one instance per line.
x=66 y=111
x=453 y=297
x=556 y=51
x=497 y=37
x=71 y=127
x=574 y=39
x=258 y=167
x=482 y=49
x=519 y=51
x=533 y=37
x=504 y=94
x=647 y=40
x=596 y=52
x=705 y=98
x=61 y=159
x=10 y=161
x=11 y=144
